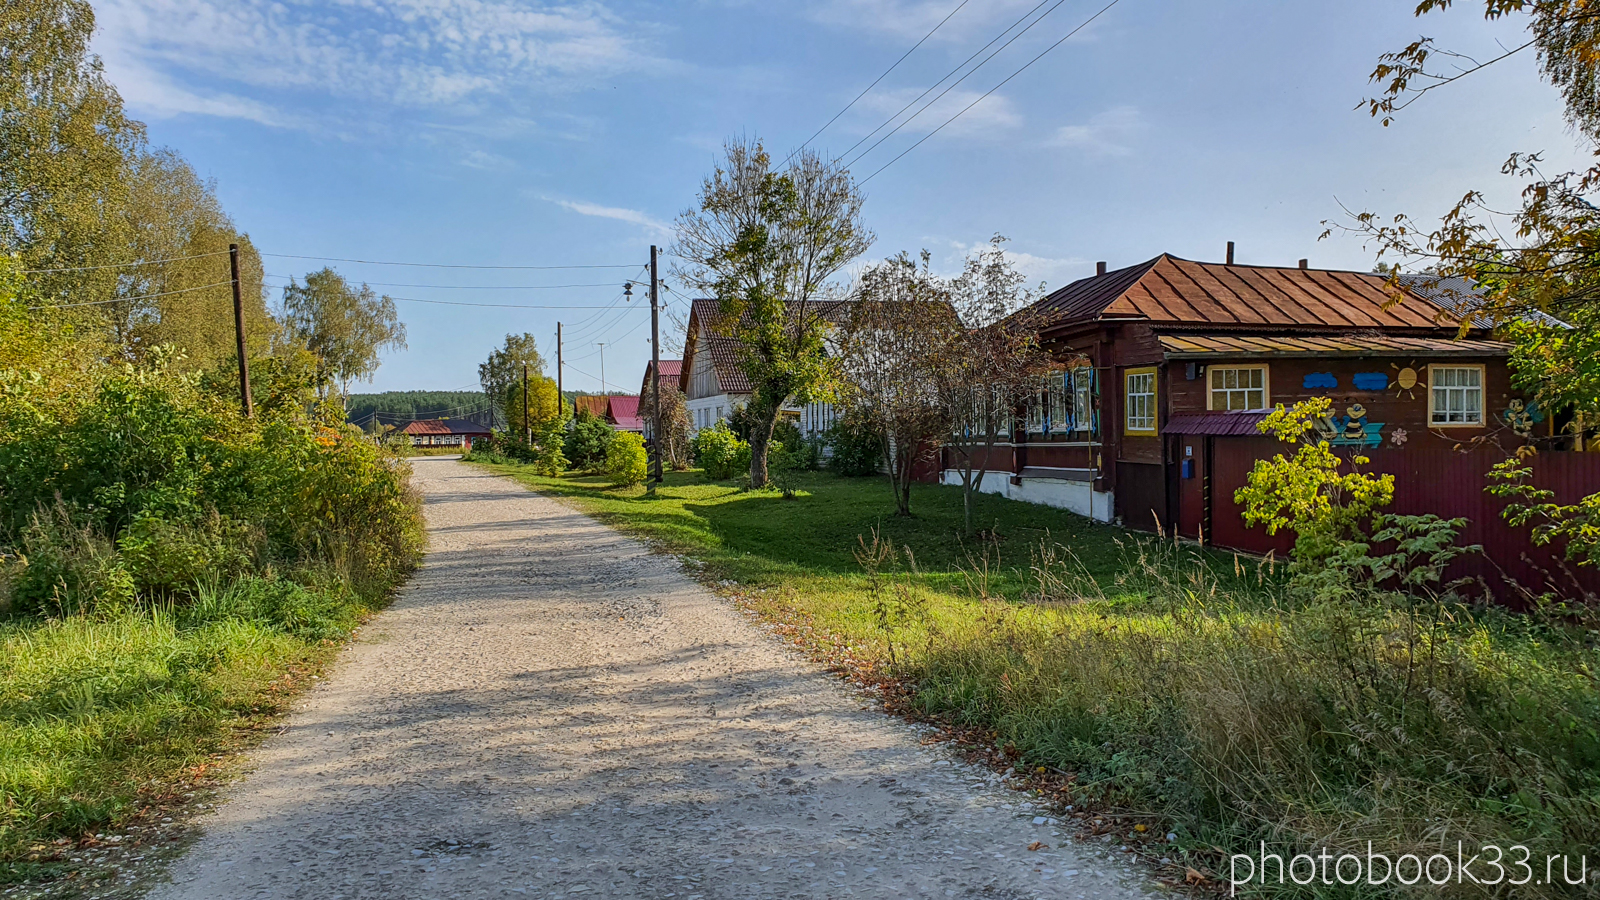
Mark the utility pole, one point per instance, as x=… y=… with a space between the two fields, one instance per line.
x=560 y=397
x=602 y=346
x=655 y=365
x=238 y=332
x=527 y=427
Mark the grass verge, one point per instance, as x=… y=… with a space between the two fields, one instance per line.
x=1176 y=692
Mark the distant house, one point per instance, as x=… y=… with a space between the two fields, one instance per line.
x=622 y=411
x=594 y=405
x=445 y=433
x=671 y=374
x=713 y=383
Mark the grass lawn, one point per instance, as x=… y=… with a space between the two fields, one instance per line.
x=1190 y=692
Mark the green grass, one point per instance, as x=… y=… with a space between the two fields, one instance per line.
x=105 y=716
x=1193 y=690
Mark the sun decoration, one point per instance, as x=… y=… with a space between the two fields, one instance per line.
x=1407 y=381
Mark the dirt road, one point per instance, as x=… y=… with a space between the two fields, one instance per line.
x=549 y=710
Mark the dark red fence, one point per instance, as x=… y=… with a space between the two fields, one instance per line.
x=1446 y=483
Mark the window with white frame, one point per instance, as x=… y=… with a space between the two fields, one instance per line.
x=1139 y=409
x=1455 y=395
x=1039 y=406
x=1233 y=388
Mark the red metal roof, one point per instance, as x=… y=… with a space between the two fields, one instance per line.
x=1215 y=423
x=444 y=426
x=1169 y=290
x=623 y=412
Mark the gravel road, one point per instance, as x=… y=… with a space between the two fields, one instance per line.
x=550 y=710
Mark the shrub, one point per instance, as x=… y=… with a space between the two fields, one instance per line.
x=627 y=464
x=720 y=453
x=588 y=441
x=856 y=449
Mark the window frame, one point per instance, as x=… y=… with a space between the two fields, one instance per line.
x=1081 y=378
x=1155 y=405
x=1483 y=395
x=1266 y=387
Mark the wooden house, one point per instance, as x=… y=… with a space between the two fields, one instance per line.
x=1167 y=367
x=445 y=433
x=714 y=384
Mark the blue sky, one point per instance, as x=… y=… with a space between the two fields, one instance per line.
x=506 y=133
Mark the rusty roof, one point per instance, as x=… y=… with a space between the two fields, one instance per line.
x=1199 y=346
x=1174 y=291
x=594 y=404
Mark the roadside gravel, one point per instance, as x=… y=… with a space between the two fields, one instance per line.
x=550 y=710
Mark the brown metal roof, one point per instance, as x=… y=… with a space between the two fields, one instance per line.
x=1169 y=290
x=1200 y=346
x=1215 y=423
x=444 y=426
x=705 y=335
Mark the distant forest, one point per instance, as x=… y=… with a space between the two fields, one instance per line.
x=399 y=407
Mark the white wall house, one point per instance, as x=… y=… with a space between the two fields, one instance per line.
x=714 y=385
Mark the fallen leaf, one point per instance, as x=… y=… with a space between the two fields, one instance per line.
x=1191 y=876
x=1139 y=828
x=1038 y=845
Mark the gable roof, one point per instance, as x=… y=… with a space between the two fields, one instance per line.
x=594 y=404
x=444 y=426
x=671 y=370
x=623 y=412
x=705 y=321
x=1168 y=290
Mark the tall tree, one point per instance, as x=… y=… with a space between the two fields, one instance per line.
x=64 y=147
x=502 y=371
x=766 y=243
x=900 y=333
x=542 y=406
x=346 y=328
x=994 y=365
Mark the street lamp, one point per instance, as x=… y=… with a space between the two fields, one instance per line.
x=602 y=346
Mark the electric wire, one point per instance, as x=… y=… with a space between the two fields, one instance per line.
x=145 y=262
x=497 y=305
x=477 y=287
x=377 y=262
x=959 y=66
x=875 y=81
x=997 y=87
x=957 y=83
x=131 y=299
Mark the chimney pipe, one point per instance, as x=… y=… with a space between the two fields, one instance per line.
x=1100 y=268
x=1305 y=263
x=1230 y=253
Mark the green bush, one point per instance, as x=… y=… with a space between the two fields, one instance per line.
x=720 y=453
x=588 y=441
x=627 y=464
x=855 y=449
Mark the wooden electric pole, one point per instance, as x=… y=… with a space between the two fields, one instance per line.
x=527 y=427
x=658 y=439
x=561 y=398
x=238 y=333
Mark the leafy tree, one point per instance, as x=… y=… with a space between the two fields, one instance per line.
x=64 y=148
x=627 y=464
x=766 y=244
x=503 y=369
x=543 y=406
x=901 y=332
x=1327 y=509
x=993 y=365
x=346 y=328
x=588 y=441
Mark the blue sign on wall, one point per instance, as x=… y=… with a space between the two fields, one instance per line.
x=1371 y=381
x=1316 y=381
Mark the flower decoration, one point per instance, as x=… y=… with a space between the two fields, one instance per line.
x=1398 y=437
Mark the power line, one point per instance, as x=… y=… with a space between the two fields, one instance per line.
x=494 y=305
x=957 y=82
x=131 y=299
x=479 y=287
x=997 y=87
x=959 y=66
x=876 y=80
x=377 y=262
x=146 y=262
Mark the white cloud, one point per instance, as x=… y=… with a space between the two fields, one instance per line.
x=419 y=54
x=914 y=18
x=619 y=213
x=1053 y=271
x=1105 y=134
x=994 y=112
